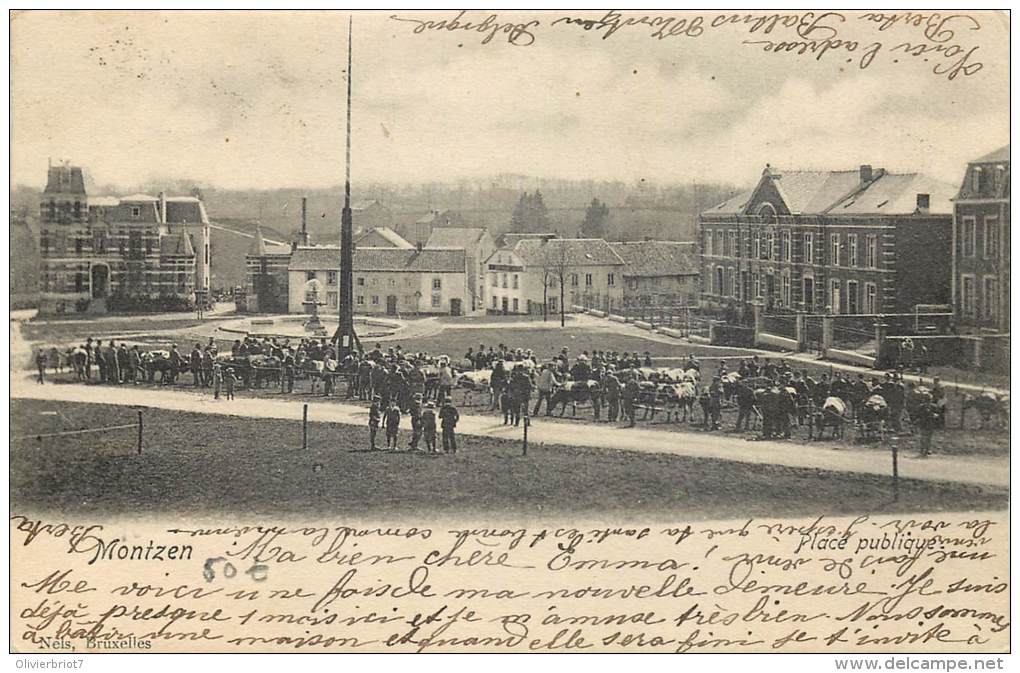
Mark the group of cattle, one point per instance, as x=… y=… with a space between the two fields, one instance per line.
x=674 y=393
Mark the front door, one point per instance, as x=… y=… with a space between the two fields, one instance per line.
x=391 y=305
x=506 y=305
x=455 y=307
x=100 y=280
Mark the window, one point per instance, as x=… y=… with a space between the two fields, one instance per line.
x=990 y=300
x=967 y=296
x=375 y=300
x=374 y=281
x=733 y=283
x=495 y=280
x=494 y=303
x=393 y=282
x=517 y=281
x=331 y=277
x=756 y=281
x=870 y=298
x=573 y=280
x=632 y=283
x=871 y=252
x=731 y=248
x=503 y=280
x=587 y=280
x=708 y=242
x=969 y=236
x=809 y=248
x=834 y=295
x=787 y=251
x=720 y=286
x=834 y=249
x=309 y=275
x=976 y=179
x=77 y=245
x=136 y=212
x=79 y=282
x=851 y=244
x=148 y=246
x=991 y=242
x=516 y=305
x=409 y=282
x=99 y=242
x=770 y=241
x=437 y=300
x=553 y=306
x=756 y=245
x=611 y=280
x=852 y=297
x=784 y=290
x=437 y=283
x=360 y=300
x=719 y=249
x=361 y=281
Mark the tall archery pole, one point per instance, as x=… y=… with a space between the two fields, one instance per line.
x=345 y=338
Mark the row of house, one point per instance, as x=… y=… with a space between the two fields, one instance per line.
x=462 y=270
x=864 y=242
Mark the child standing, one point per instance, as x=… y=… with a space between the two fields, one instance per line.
x=505 y=403
x=374 y=416
x=229 y=380
x=392 y=425
x=428 y=426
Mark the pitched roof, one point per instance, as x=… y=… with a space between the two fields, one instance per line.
x=896 y=194
x=428 y=260
x=510 y=239
x=387 y=234
x=176 y=244
x=842 y=192
x=185 y=209
x=998 y=156
x=455 y=237
x=573 y=251
x=658 y=258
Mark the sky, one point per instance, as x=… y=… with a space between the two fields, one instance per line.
x=256 y=99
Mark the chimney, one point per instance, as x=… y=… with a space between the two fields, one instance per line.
x=866 y=174
x=923 y=203
x=304 y=218
x=162 y=207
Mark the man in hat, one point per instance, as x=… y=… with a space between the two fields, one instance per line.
x=612 y=388
x=630 y=395
x=547 y=383
x=374 y=417
x=392 y=424
x=428 y=427
x=415 y=411
x=448 y=417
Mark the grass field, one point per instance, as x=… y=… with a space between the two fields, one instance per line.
x=194 y=463
x=79 y=330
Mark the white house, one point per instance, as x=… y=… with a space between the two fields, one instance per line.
x=388 y=281
x=526 y=276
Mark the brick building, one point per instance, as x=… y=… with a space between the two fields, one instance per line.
x=659 y=273
x=132 y=253
x=861 y=241
x=981 y=256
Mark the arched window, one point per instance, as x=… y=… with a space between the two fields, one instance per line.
x=767 y=213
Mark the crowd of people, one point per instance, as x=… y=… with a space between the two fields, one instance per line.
x=397 y=383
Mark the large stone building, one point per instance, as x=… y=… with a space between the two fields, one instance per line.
x=659 y=273
x=861 y=241
x=387 y=281
x=477 y=244
x=981 y=255
x=525 y=277
x=128 y=253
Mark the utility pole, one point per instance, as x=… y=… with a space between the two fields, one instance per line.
x=345 y=339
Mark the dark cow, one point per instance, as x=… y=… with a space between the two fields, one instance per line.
x=574 y=393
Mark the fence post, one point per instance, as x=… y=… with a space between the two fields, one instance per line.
x=139 y=432
x=304 y=427
x=895 y=470
x=527 y=422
